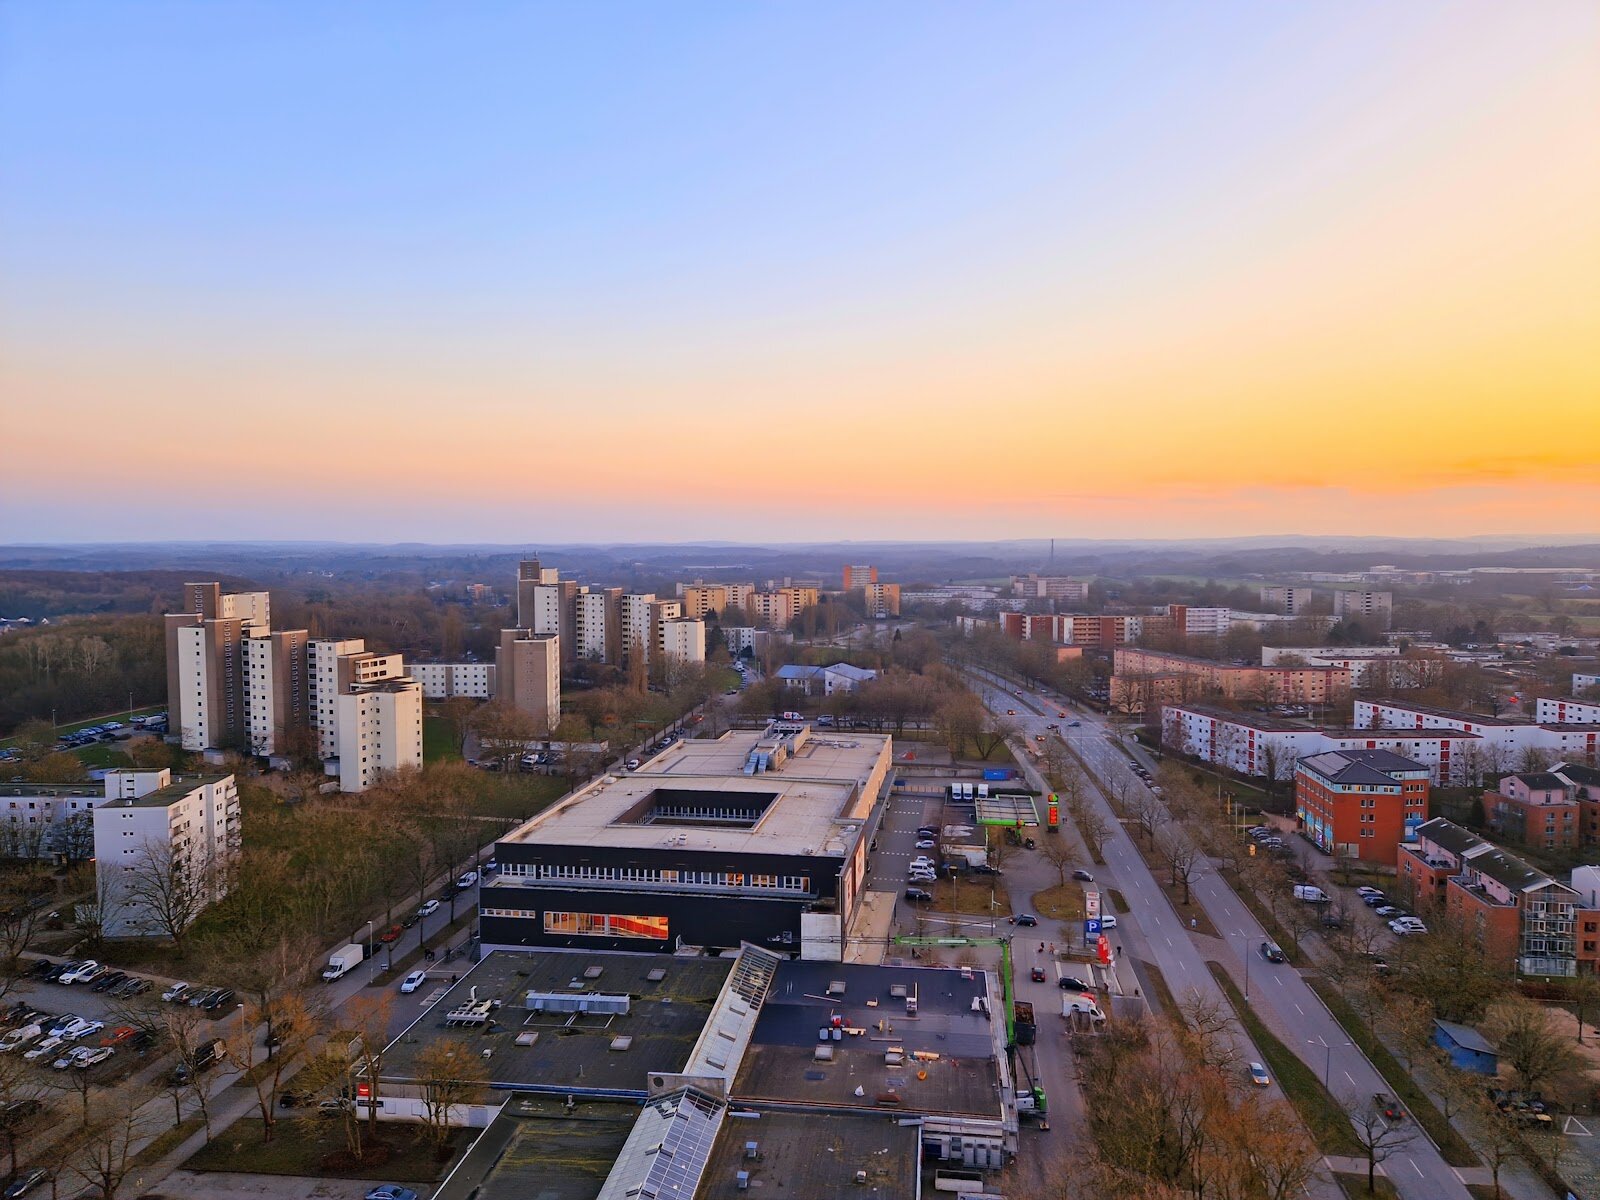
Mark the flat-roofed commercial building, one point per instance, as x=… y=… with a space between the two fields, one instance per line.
x=1360 y=803
x=756 y=836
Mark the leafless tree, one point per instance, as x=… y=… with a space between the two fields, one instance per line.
x=450 y=1073
x=169 y=885
x=1181 y=858
x=1380 y=1138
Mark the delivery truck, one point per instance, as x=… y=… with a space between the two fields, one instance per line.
x=342 y=961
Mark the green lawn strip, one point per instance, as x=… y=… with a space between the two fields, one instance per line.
x=439 y=740
x=299 y=1144
x=1451 y=1144
x=102 y=755
x=1117 y=902
x=120 y=715
x=1326 y=1121
x=1354 y=1185
x=1162 y=990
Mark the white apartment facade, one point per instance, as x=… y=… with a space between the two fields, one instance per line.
x=634 y=622
x=683 y=640
x=379 y=730
x=440 y=681
x=1506 y=742
x=1582 y=682
x=152 y=824
x=1560 y=711
x=322 y=669
x=1369 y=666
x=1258 y=747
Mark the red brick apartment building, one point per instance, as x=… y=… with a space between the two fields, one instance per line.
x=1360 y=803
x=1553 y=809
x=1524 y=919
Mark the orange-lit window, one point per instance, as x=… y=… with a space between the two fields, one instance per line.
x=606 y=925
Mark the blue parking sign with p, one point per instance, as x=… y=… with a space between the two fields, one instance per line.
x=1091 y=927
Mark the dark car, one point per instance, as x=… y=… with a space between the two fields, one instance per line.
x=1025 y=919
x=57 y=970
x=41 y=969
x=218 y=999
x=135 y=987
x=918 y=894
x=1069 y=984
x=1272 y=952
x=142 y=1040
x=106 y=982
x=985 y=869
x=1375 y=901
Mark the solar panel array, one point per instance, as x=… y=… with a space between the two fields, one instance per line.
x=667 y=1152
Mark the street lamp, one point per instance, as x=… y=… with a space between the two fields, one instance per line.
x=1327 y=1063
x=369 y=939
x=1247 y=968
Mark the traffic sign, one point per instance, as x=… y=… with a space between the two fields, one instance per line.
x=1091 y=927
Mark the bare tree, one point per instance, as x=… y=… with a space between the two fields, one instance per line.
x=169 y=886
x=1182 y=859
x=1528 y=1043
x=451 y=1073
x=1379 y=1136
x=102 y=1153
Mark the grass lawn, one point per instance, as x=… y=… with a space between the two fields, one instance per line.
x=299 y=1144
x=102 y=754
x=1064 y=902
x=971 y=896
x=1162 y=992
x=516 y=796
x=1451 y=1144
x=1327 y=1122
x=1355 y=1185
x=438 y=740
x=121 y=714
x=165 y=1143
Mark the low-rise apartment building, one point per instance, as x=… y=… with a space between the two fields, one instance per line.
x=1584 y=683
x=824 y=681
x=1143 y=680
x=1558 y=710
x=1534 y=809
x=1259 y=745
x=1380 y=668
x=1061 y=588
x=1508 y=742
x=1516 y=913
x=1360 y=803
x=164 y=849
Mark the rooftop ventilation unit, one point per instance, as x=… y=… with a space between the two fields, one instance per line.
x=560 y=1002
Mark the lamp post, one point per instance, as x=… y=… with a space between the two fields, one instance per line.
x=1247 y=968
x=369 y=939
x=1327 y=1061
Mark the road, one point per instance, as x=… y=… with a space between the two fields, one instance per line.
x=1283 y=1000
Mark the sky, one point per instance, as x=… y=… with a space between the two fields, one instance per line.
x=771 y=272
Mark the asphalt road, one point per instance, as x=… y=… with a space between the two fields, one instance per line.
x=1152 y=931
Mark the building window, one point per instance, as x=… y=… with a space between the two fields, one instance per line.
x=606 y=925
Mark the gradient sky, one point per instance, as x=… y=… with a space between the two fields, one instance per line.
x=551 y=273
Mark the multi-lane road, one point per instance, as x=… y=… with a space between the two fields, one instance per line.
x=1153 y=932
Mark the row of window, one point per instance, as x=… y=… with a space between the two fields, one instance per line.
x=589 y=924
x=727 y=879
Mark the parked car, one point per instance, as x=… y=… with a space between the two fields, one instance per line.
x=1258 y=1075
x=1083 y=876
x=1273 y=952
x=468 y=879
x=1108 y=920
x=413 y=981
x=390 y=1191
x=26 y=1182
x=132 y=986
x=428 y=908
x=45 y=1049
x=1368 y=890
x=917 y=894
x=218 y=1000
x=927 y=844
x=109 y=980
x=1070 y=983
x=122 y=1033
x=81 y=972
x=81 y=1028
x=633 y=764
x=174 y=994
x=391 y=934
x=1389 y=910
x=1373 y=901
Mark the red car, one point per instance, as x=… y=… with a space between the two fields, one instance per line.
x=1038 y=974
x=391 y=934
x=118 y=1035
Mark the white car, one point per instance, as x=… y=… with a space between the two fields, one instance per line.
x=469 y=879
x=633 y=764
x=81 y=1028
x=428 y=909
x=173 y=992
x=927 y=844
x=44 y=1049
x=413 y=981
x=82 y=973
x=70 y=1058
x=1404 y=928
x=1108 y=921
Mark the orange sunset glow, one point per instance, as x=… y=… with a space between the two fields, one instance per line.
x=1325 y=268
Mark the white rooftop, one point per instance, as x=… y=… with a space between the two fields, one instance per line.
x=811 y=797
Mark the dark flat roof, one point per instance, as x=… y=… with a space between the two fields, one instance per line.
x=812 y=1156
x=780 y=1064
x=573 y=1050
x=535 y=1148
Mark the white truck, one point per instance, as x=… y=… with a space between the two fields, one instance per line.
x=1076 y=1004
x=342 y=960
x=1310 y=893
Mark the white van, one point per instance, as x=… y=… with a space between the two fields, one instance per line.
x=1310 y=894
